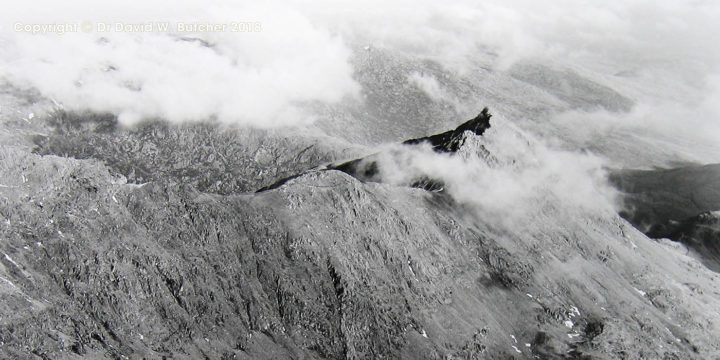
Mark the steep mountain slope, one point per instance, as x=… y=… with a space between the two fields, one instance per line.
x=679 y=204
x=656 y=196
x=201 y=154
x=700 y=233
x=323 y=266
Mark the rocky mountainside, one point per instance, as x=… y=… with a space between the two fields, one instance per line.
x=679 y=204
x=701 y=234
x=120 y=243
x=656 y=196
x=211 y=158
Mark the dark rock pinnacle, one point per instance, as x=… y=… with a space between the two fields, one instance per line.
x=452 y=140
x=368 y=169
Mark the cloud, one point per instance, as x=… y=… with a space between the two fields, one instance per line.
x=661 y=54
x=256 y=78
x=507 y=174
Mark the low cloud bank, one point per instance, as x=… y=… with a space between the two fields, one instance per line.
x=301 y=52
x=260 y=76
x=507 y=174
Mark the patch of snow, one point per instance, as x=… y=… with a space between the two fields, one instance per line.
x=528 y=345
x=569 y=323
x=642 y=293
x=411 y=269
x=9 y=282
x=573 y=335
x=529 y=295
x=424 y=334
x=513 y=337
x=9 y=259
x=516 y=349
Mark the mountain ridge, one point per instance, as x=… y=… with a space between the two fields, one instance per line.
x=325 y=266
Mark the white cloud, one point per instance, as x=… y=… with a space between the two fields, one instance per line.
x=661 y=54
x=521 y=180
x=302 y=52
x=259 y=78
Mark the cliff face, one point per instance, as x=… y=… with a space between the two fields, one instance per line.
x=322 y=266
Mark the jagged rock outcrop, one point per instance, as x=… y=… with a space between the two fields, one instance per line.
x=368 y=168
x=452 y=140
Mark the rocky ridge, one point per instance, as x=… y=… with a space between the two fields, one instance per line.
x=98 y=264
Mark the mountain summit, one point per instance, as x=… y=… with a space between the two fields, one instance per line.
x=451 y=141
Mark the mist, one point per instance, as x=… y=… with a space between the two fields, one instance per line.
x=247 y=78
x=507 y=175
x=659 y=55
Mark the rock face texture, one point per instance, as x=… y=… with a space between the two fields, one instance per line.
x=215 y=160
x=98 y=263
x=452 y=140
